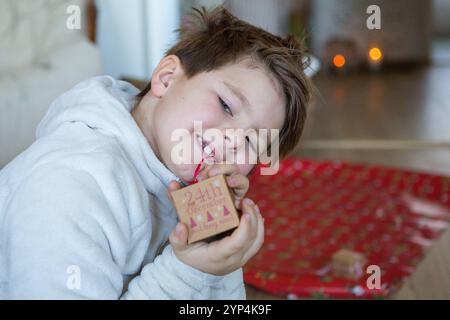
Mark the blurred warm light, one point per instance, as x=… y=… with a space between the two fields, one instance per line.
x=375 y=54
x=339 y=61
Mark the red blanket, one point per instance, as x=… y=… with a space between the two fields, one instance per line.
x=312 y=209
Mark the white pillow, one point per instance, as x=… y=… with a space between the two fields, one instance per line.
x=31 y=30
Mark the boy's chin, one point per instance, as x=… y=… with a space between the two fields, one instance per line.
x=185 y=172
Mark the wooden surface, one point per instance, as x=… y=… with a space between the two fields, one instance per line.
x=409 y=106
x=431 y=280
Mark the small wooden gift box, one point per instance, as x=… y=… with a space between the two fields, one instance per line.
x=348 y=264
x=206 y=207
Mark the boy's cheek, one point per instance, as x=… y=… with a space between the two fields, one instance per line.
x=245 y=169
x=209 y=112
x=246 y=158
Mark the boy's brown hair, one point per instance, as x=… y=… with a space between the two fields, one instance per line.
x=210 y=40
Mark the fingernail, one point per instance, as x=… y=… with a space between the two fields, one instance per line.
x=249 y=202
x=231 y=181
x=178 y=230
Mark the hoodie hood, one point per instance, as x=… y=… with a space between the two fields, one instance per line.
x=105 y=104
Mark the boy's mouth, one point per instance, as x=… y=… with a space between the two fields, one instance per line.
x=206 y=146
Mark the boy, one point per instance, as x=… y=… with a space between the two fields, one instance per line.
x=85 y=213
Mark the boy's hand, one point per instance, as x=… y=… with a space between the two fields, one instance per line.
x=226 y=255
x=237 y=182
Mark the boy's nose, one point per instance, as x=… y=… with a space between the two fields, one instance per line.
x=232 y=142
x=227 y=145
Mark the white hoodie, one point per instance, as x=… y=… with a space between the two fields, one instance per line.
x=84 y=211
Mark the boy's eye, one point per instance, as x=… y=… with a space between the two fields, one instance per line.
x=225 y=107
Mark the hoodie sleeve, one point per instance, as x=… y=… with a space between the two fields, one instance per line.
x=63 y=240
x=169 y=278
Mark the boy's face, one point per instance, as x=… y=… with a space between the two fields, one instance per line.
x=233 y=97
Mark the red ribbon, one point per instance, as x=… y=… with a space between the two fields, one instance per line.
x=197 y=169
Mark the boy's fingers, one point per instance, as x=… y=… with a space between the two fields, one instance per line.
x=239 y=183
x=216 y=169
x=250 y=208
x=226 y=169
x=241 y=238
x=173 y=186
x=259 y=239
x=178 y=237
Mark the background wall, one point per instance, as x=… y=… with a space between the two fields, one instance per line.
x=441 y=12
x=405 y=35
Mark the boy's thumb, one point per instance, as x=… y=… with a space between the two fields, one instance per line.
x=178 y=237
x=173 y=186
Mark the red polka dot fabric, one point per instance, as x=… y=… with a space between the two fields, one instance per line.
x=314 y=208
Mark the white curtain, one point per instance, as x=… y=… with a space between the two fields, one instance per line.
x=134 y=34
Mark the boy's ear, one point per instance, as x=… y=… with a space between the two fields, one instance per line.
x=167 y=71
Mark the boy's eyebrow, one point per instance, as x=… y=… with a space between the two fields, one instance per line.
x=237 y=92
